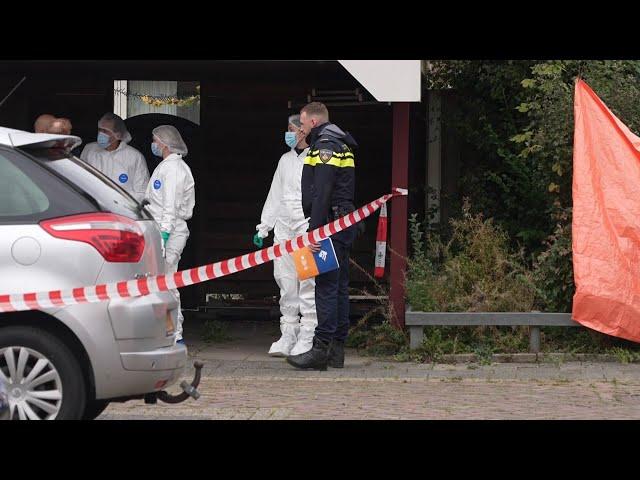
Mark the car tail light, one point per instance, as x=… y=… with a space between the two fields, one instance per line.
x=116 y=238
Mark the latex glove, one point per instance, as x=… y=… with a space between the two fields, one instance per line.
x=165 y=237
x=257 y=240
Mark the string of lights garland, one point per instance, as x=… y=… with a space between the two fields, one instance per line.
x=162 y=100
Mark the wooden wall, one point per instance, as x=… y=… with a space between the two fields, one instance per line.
x=243 y=118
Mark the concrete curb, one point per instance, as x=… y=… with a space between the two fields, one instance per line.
x=531 y=358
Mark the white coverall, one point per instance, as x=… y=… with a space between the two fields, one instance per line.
x=283 y=213
x=125 y=165
x=172 y=196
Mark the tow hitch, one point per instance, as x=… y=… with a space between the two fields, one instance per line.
x=188 y=390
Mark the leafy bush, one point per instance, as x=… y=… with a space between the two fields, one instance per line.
x=474 y=271
x=215 y=331
x=518 y=118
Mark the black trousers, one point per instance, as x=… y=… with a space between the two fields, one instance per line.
x=332 y=292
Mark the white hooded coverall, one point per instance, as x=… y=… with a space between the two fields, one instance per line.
x=171 y=193
x=283 y=213
x=125 y=165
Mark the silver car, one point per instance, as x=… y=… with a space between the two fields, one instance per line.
x=63 y=225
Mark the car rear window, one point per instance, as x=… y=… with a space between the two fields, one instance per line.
x=110 y=196
x=20 y=196
x=30 y=193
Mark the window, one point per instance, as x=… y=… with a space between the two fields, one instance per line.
x=128 y=98
x=19 y=195
x=111 y=197
x=30 y=192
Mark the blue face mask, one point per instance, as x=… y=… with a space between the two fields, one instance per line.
x=155 y=149
x=290 y=139
x=104 y=140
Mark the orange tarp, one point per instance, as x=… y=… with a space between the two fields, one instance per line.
x=606 y=219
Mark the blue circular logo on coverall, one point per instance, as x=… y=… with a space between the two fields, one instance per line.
x=123 y=178
x=157 y=184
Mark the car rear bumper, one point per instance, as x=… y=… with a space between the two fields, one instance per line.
x=168 y=358
x=146 y=372
x=144 y=359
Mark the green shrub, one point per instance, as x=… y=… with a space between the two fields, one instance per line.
x=474 y=271
x=215 y=331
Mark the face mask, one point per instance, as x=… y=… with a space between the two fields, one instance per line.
x=104 y=140
x=290 y=139
x=156 y=150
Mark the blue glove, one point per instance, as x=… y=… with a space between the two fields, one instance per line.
x=257 y=241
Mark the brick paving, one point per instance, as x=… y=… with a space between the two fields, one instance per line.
x=241 y=382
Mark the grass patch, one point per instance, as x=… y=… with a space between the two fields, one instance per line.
x=215 y=331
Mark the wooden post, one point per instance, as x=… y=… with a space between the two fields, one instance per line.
x=399 y=214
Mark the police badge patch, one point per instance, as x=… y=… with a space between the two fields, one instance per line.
x=325 y=155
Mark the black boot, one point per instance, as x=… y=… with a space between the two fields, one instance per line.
x=336 y=354
x=314 y=359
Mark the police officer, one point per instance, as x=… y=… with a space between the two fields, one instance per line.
x=328 y=185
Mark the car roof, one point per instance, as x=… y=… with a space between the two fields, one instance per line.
x=19 y=138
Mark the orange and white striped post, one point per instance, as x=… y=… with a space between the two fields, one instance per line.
x=381 y=243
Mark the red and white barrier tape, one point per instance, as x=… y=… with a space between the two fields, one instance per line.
x=161 y=283
x=381 y=243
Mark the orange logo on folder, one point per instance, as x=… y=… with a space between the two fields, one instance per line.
x=305 y=263
x=309 y=264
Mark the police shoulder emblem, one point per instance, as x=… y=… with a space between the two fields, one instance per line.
x=325 y=155
x=157 y=184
